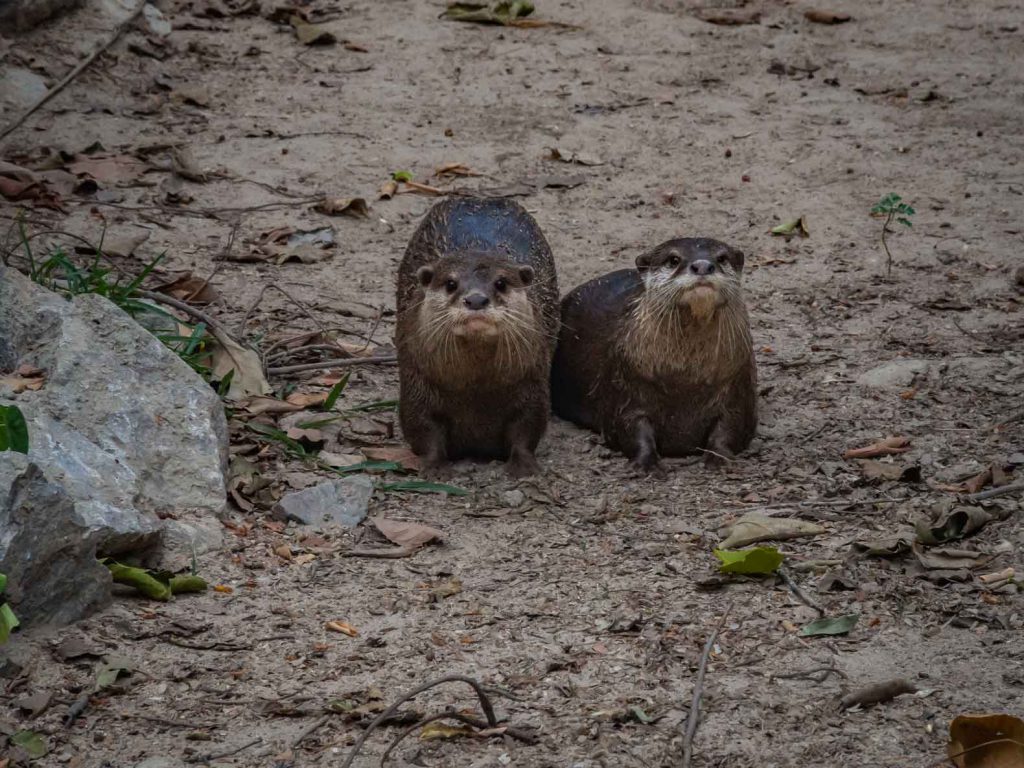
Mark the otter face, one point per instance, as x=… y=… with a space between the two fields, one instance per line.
x=475 y=297
x=698 y=273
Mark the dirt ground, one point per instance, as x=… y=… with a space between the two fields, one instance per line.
x=586 y=593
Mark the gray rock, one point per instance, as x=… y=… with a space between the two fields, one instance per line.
x=161 y=762
x=897 y=374
x=514 y=498
x=343 y=502
x=47 y=549
x=122 y=425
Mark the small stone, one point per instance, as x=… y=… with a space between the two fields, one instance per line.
x=897 y=374
x=343 y=502
x=514 y=498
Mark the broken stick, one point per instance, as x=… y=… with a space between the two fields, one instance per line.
x=698 y=689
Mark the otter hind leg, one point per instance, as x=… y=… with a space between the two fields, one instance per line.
x=638 y=441
x=523 y=434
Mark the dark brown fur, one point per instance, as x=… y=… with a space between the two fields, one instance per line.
x=659 y=359
x=474 y=382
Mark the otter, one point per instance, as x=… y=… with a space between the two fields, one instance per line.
x=477 y=325
x=659 y=358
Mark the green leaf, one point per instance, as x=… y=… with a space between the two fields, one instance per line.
x=187 y=583
x=377 y=405
x=366 y=466
x=641 y=716
x=836 y=625
x=501 y=12
x=759 y=560
x=110 y=673
x=8 y=622
x=423 y=486
x=906 y=222
x=335 y=393
x=3 y=582
x=13 y=429
x=139 y=579
x=402 y=175
x=225 y=383
x=794 y=227
x=30 y=741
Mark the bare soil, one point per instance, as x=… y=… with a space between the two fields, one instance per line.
x=586 y=593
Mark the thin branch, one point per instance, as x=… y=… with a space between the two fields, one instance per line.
x=327 y=364
x=485 y=705
x=310 y=731
x=81 y=67
x=450 y=714
x=993 y=492
x=801 y=596
x=698 y=689
x=209 y=758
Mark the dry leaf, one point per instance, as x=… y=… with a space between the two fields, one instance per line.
x=108 y=169
x=948 y=559
x=446 y=588
x=438 y=730
x=882 y=470
x=347 y=206
x=25 y=378
x=407 y=535
x=756 y=526
x=992 y=578
x=283 y=551
x=306 y=399
x=306 y=436
x=224 y=589
x=342 y=627
x=455 y=169
x=979 y=481
x=188 y=287
x=258 y=405
x=398 y=453
x=422 y=189
x=312 y=34
x=184 y=164
x=729 y=17
x=388 y=190
x=826 y=17
x=339 y=459
x=1002 y=735
x=248 y=378
x=886 y=447
x=576 y=158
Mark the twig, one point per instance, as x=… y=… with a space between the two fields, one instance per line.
x=310 y=731
x=387 y=553
x=993 y=492
x=165 y=721
x=325 y=364
x=75 y=72
x=305 y=348
x=821 y=672
x=485 y=705
x=451 y=714
x=698 y=689
x=209 y=758
x=292 y=299
x=822 y=503
x=978 y=746
x=784 y=575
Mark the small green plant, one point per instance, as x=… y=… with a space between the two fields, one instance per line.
x=13 y=430
x=8 y=621
x=893 y=208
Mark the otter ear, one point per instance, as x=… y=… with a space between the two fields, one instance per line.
x=526 y=275
x=425 y=275
x=643 y=261
x=737 y=259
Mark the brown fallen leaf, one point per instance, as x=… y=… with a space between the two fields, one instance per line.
x=247 y=379
x=436 y=731
x=346 y=206
x=196 y=95
x=729 y=17
x=308 y=437
x=407 y=535
x=117 y=170
x=398 y=453
x=260 y=404
x=826 y=17
x=306 y=399
x=443 y=588
x=979 y=481
x=877 y=693
x=455 y=169
x=886 y=447
x=949 y=559
x=755 y=526
x=339 y=459
x=312 y=34
x=283 y=551
x=576 y=158
x=999 y=576
x=387 y=190
x=18 y=384
x=986 y=741
x=188 y=287
x=184 y=164
x=341 y=627
x=881 y=470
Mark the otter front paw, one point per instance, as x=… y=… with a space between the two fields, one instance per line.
x=648 y=466
x=438 y=469
x=522 y=465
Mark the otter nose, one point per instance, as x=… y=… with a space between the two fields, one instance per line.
x=702 y=267
x=476 y=301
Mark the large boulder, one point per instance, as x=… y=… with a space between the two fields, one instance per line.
x=21 y=15
x=133 y=437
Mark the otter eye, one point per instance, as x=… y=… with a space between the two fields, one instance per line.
x=723 y=258
x=673 y=261
x=450 y=285
x=500 y=285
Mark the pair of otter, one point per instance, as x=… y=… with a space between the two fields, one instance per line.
x=658 y=359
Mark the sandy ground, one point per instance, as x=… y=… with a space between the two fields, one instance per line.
x=586 y=592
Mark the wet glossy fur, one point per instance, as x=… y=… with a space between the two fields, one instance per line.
x=659 y=360
x=475 y=384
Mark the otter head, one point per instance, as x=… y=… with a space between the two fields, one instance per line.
x=696 y=273
x=475 y=297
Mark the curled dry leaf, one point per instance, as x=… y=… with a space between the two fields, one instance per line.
x=986 y=741
x=397 y=453
x=886 y=447
x=339 y=459
x=877 y=693
x=790 y=228
x=438 y=730
x=306 y=399
x=880 y=470
x=258 y=405
x=343 y=206
x=188 y=287
x=248 y=378
x=388 y=190
x=756 y=526
x=948 y=559
x=826 y=17
x=311 y=34
x=184 y=164
x=407 y=535
x=341 y=627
